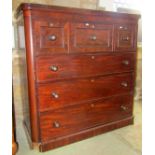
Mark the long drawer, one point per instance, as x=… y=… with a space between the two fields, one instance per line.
x=60 y=94
x=72 y=66
x=71 y=120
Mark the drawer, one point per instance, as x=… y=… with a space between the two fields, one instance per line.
x=51 y=37
x=125 y=37
x=64 y=93
x=66 y=121
x=91 y=37
x=75 y=66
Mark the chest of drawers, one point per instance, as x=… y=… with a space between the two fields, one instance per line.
x=80 y=72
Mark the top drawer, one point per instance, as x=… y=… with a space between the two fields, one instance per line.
x=50 y=37
x=55 y=37
x=89 y=37
x=125 y=37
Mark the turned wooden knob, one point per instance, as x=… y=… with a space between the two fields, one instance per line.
x=125 y=62
x=56 y=124
x=123 y=27
x=54 y=68
x=124 y=84
x=52 y=37
x=55 y=95
x=124 y=108
x=125 y=38
x=93 y=37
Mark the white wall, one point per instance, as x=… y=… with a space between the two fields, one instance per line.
x=108 y=4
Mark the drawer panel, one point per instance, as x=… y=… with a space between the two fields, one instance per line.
x=73 y=66
x=91 y=37
x=63 y=122
x=51 y=37
x=60 y=94
x=125 y=37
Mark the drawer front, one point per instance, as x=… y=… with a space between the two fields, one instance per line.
x=66 y=121
x=64 y=93
x=88 y=37
x=64 y=67
x=51 y=37
x=125 y=37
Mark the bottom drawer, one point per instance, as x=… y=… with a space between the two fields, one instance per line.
x=65 y=121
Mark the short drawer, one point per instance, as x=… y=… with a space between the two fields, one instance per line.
x=125 y=37
x=66 y=121
x=91 y=37
x=50 y=37
x=75 y=66
x=64 y=93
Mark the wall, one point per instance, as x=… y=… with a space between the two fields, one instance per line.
x=72 y=3
x=138 y=87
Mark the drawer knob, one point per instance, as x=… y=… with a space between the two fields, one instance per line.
x=51 y=24
x=54 y=68
x=123 y=27
x=92 y=57
x=52 y=37
x=55 y=95
x=56 y=124
x=87 y=24
x=92 y=105
x=124 y=84
x=125 y=38
x=125 y=62
x=124 y=108
x=93 y=37
x=92 y=80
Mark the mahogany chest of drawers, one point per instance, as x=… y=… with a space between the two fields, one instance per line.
x=80 y=70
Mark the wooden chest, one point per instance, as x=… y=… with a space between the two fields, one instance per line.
x=80 y=71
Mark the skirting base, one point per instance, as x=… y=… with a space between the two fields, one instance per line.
x=84 y=134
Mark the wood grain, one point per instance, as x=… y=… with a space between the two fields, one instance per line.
x=82 y=90
x=77 y=118
x=78 y=66
x=81 y=72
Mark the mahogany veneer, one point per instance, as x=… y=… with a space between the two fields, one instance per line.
x=80 y=72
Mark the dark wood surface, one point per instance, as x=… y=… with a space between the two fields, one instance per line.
x=91 y=37
x=31 y=76
x=78 y=66
x=75 y=91
x=62 y=122
x=81 y=72
x=61 y=141
x=51 y=37
x=125 y=37
x=44 y=8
